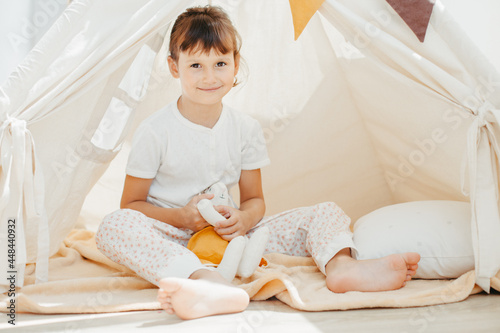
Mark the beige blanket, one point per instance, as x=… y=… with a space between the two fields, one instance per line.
x=82 y=280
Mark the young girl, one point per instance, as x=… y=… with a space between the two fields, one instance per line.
x=195 y=142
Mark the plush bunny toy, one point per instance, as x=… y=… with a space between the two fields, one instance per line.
x=241 y=255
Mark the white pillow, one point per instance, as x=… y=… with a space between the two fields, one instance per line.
x=438 y=230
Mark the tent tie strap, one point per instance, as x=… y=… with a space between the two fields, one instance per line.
x=487 y=117
x=22 y=200
x=481 y=157
x=488 y=114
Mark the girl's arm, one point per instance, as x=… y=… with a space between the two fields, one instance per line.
x=252 y=196
x=135 y=193
x=252 y=207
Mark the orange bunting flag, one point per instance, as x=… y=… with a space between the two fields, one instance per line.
x=302 y=11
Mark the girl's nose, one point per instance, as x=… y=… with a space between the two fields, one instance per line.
x=209 y=75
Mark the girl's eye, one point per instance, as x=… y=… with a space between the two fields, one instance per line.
x=221 y=64
x=196 y=65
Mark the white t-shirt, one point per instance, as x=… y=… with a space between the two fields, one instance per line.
x=185 y=158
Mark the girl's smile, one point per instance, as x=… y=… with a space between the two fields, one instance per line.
x=210 y=89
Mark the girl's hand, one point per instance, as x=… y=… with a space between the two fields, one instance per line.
x=237 y=223
x=192 y=218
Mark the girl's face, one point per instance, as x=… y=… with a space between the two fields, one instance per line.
x=205 y=78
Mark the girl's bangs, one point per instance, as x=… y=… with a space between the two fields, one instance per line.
x=205 y=38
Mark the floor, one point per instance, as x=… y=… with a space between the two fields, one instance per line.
x=478 y=313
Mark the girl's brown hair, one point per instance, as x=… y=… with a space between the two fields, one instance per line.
x=201 y=29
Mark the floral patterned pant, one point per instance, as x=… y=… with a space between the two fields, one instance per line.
x=155 y=250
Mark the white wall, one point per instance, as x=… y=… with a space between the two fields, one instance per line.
x=481 y=21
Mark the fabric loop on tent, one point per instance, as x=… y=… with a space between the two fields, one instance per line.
x=488 y=114
x=23 y=196
x=488 y=117
x=481 y=156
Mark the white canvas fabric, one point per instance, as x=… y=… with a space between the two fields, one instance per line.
x=356 y=111
x=449 y=68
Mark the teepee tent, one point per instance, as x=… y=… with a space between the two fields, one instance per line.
x=358 y=110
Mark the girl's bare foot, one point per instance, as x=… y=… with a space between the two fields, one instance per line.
x=205 y=293
x=344 y=273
